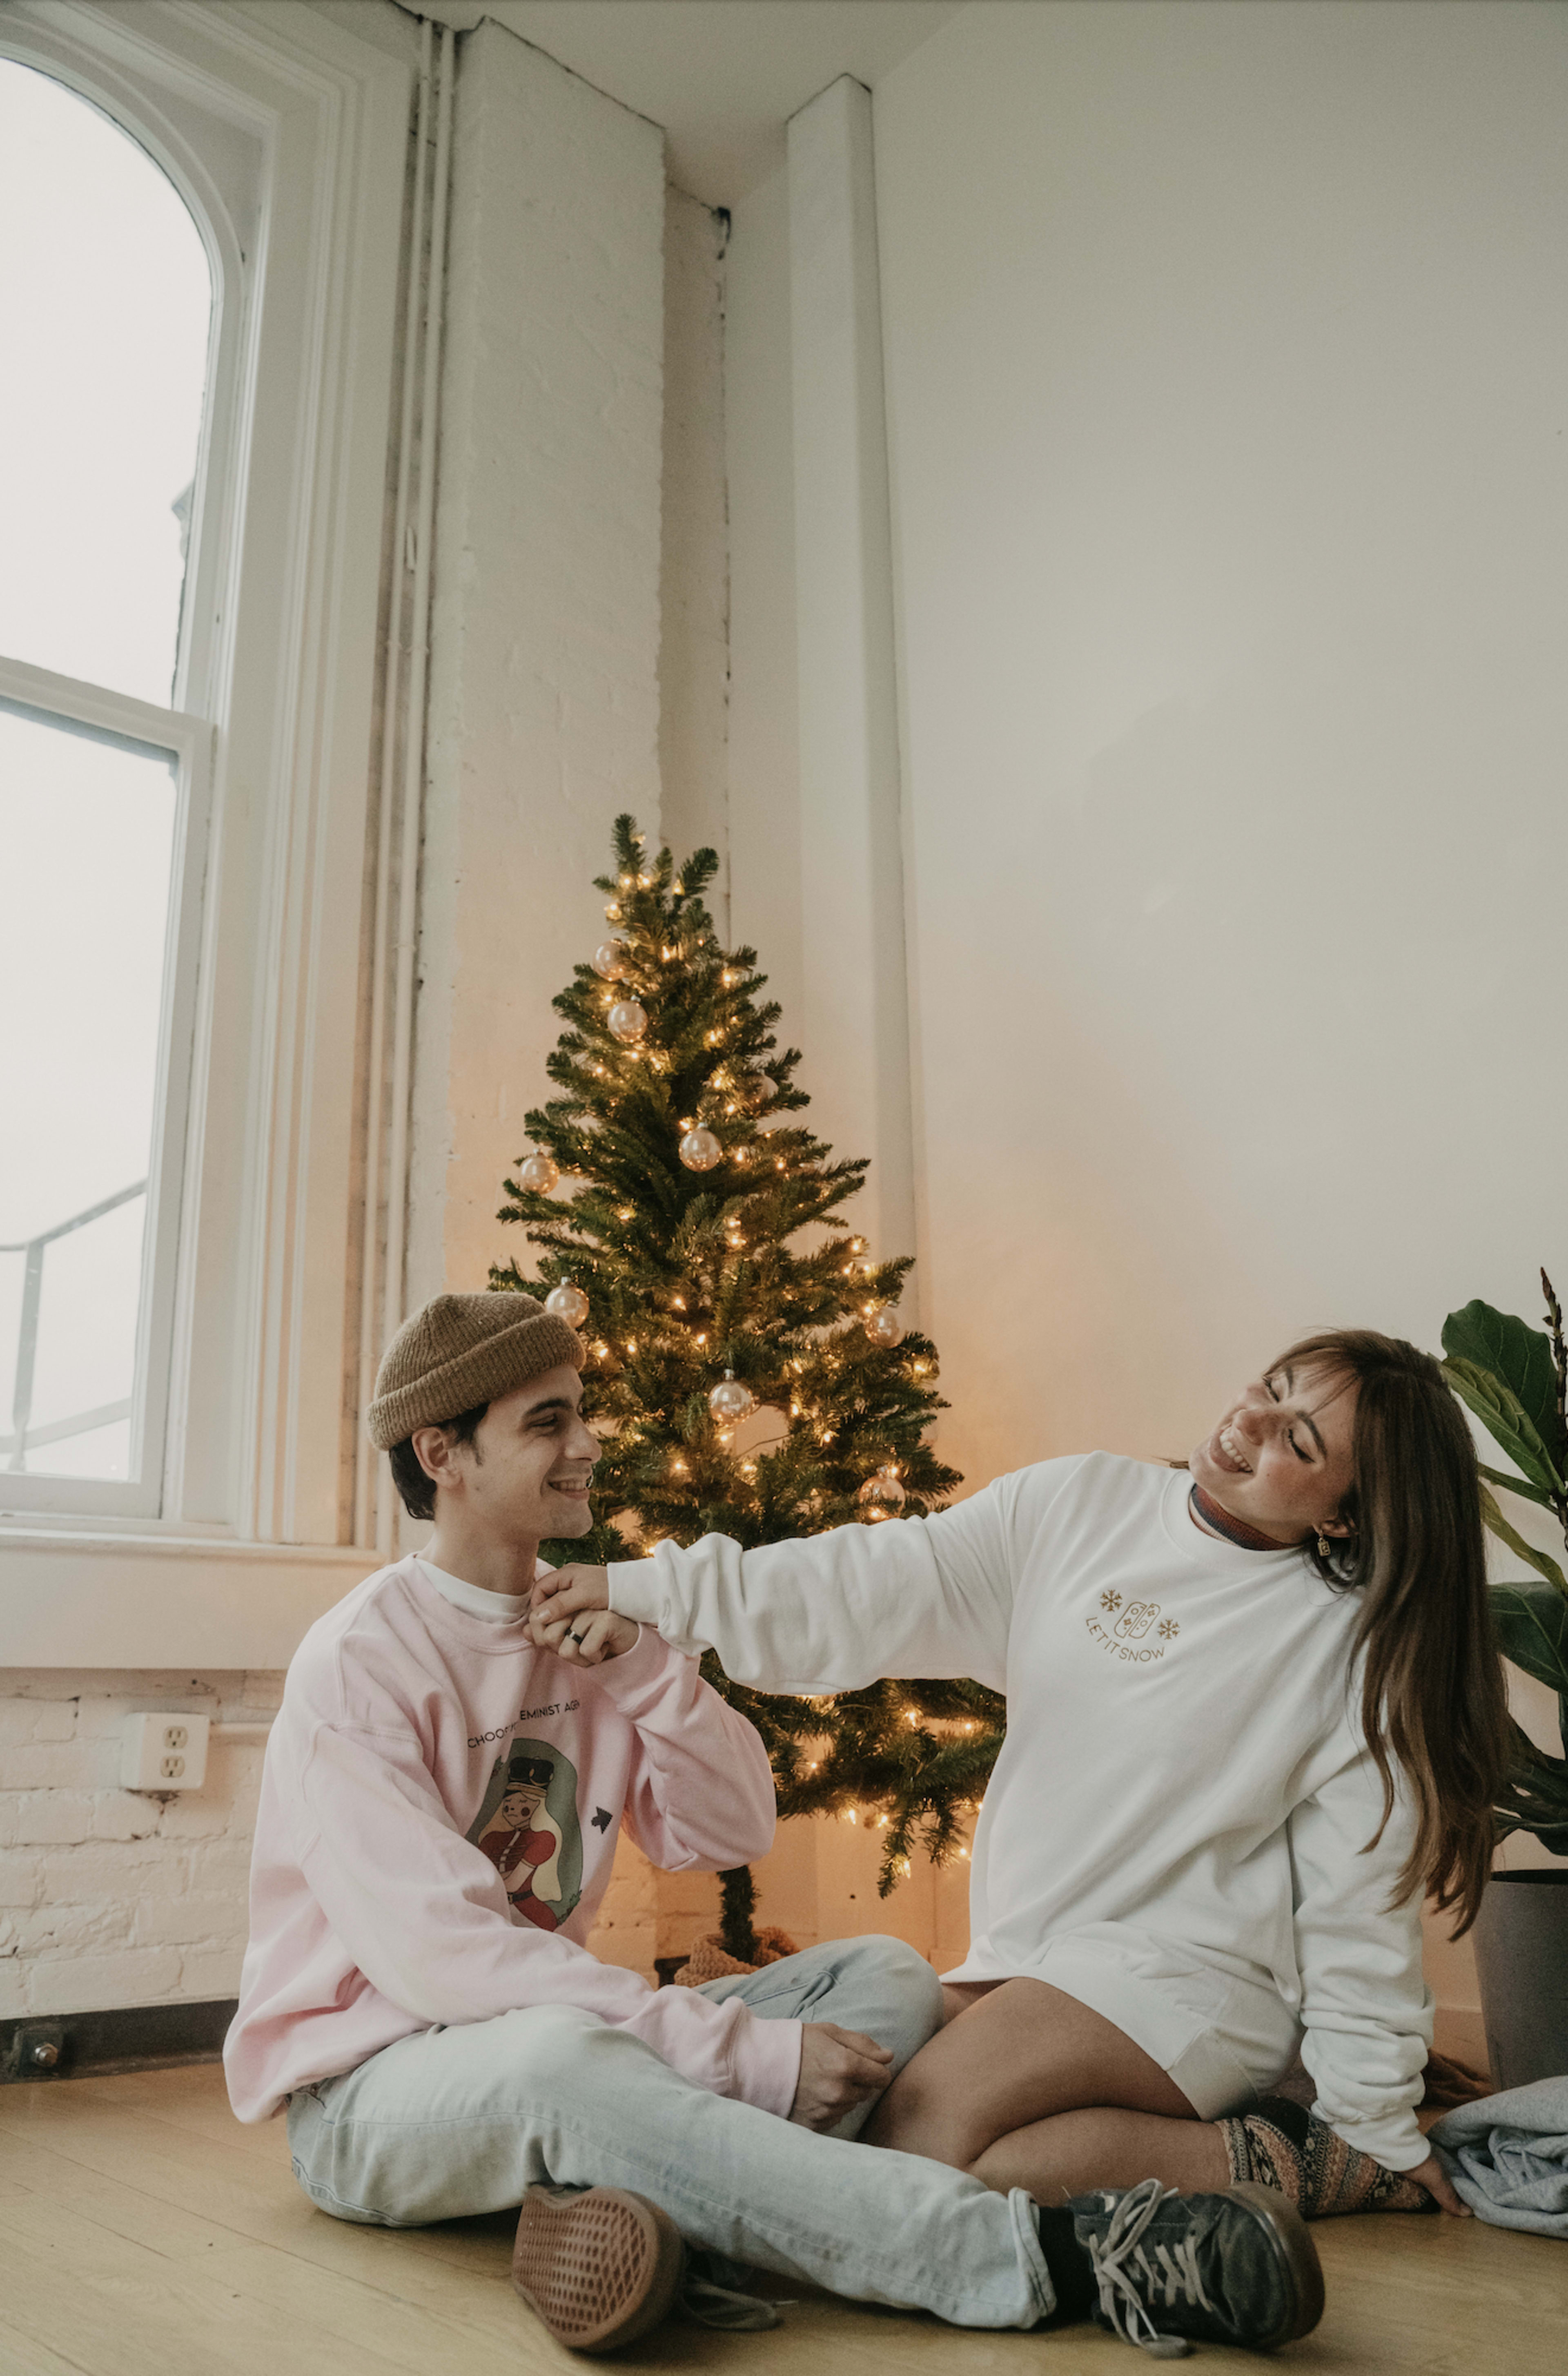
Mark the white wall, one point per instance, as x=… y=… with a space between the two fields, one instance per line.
x=544 y=681
x=694 y=546
x=121 y=1897
x=1225 y=353
x=764 y=717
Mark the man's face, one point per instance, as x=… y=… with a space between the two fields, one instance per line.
x=524 y=1477
x=1282 y=1458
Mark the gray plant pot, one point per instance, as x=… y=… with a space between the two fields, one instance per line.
x=1522 y=1956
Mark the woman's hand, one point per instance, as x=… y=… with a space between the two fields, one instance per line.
x=1433 y=2176
x=571 y=1615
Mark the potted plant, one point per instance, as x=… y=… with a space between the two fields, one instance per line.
x=1515 y=1379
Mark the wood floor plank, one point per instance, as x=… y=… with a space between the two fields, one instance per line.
x=196 y=2098
x=407 y=2334
x=127 y=2211
x=21 y=2354
x=116 y=2309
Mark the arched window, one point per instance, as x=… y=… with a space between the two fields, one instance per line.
x=106 y=291
x=203 y=305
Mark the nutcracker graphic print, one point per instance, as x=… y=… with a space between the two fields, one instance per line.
x=527 y=1826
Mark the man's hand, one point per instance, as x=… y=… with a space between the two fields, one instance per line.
x=571 y=1616
x=839 y=2069
x=1434 y=2178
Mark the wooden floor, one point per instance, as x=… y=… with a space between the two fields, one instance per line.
x=142 y=2232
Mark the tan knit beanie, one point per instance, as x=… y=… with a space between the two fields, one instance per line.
x=462 y=1349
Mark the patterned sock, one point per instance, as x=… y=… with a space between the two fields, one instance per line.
x=1283 y=2145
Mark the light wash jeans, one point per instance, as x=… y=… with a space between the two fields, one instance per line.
x=458 y=2121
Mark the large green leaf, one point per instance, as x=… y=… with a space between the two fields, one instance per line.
x=1505 y=1419
x=1521 y=1357
x=1532 y=1630
x=1522 y=1550
x=1533 y=1798
x=1517 y=1485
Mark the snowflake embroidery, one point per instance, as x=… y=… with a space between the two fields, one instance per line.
x=1110 y=1600
x=1169 y=1629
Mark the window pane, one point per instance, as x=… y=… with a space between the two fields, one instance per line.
x=105 y=296
x=87 y=830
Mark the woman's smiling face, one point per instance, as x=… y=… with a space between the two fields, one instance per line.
x=1281 y=1458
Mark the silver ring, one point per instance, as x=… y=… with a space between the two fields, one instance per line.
x=578 y=1638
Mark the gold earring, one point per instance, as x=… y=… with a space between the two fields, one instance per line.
x=1323 y=1547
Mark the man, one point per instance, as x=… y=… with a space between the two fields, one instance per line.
x=440 y=2052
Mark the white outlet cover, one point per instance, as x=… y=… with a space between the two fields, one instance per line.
x=163 y=1751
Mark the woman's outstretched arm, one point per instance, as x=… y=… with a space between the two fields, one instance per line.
x=828 y=1613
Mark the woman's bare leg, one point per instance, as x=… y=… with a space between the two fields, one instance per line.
x=1075 y=2152
x=1026 y=2086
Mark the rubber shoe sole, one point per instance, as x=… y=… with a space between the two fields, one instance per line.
x=599 y=2268
x=1297 y=2254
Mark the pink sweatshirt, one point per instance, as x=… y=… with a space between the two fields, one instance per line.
x=438 y=1814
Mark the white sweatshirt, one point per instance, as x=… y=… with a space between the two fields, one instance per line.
x=439 y=1815
x=1183 y=1754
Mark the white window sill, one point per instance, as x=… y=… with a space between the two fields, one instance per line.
x=146 y=1600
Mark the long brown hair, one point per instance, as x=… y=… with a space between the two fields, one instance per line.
x=1434 y=1700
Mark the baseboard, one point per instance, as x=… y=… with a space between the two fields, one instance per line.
x=129 y=2037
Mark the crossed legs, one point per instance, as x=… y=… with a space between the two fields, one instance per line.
x=1027 y=2087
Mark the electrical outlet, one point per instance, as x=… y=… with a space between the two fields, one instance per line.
x=160 y=1752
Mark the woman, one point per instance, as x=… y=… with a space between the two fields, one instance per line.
x=1254 y=1711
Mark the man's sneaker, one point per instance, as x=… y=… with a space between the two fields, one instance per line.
x=599 y=2266
x=1237 y=2267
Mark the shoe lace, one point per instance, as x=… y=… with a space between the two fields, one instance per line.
x=1129 y=2279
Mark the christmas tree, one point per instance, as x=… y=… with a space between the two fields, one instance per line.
x=748 y=1372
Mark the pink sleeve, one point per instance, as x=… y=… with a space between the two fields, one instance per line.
x=701 y=1796
x=424 y=1916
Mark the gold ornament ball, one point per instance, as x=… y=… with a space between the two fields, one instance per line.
x=611 y=959
x=541 y=1173
x=730 y=1400
x=568 y=1303
x=699 y=1150
x=884 y=1327
x=881 y=1496
x=628 y=1018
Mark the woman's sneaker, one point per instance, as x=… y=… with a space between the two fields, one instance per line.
x=1237 y=2267
x=599 y=2266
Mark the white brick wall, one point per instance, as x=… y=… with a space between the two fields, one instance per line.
x=113 y=1897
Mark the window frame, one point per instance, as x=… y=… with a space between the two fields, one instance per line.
x=138 y=725
x=276 y=721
